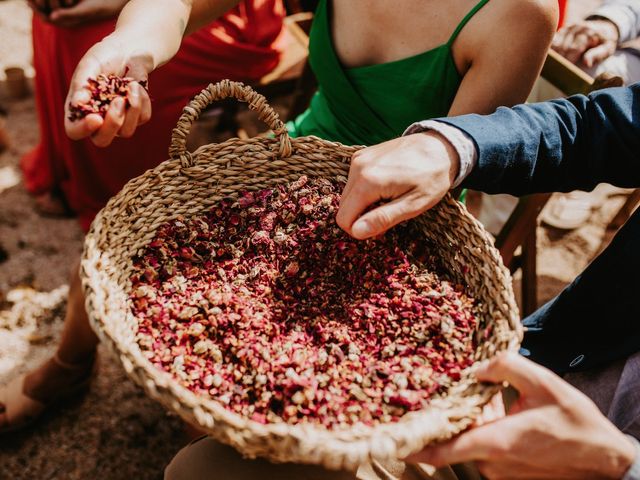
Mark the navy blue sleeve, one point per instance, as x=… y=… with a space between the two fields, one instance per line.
x=556 y=146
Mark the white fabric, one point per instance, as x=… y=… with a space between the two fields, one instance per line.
x=625 y=14
x=623 y=63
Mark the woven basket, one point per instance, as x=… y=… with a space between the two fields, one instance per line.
x=189 y=184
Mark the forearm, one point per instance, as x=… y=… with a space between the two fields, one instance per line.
x=156 y=27
x=557 y=146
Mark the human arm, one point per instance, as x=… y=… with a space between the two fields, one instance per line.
x=553 y=431
x=562 y=145
x=490 y=53
x=147 y=35
x=557 y=146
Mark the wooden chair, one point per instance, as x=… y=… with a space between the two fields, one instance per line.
x=520 y=229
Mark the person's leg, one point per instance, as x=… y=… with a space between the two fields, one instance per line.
x=63 y=373
x=207 y=459
x=615 y=389
x=77 y=347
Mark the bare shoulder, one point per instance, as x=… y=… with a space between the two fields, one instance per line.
x=518 y=23
x=529 y=14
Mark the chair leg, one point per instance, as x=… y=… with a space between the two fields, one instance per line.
x=625 y=212
x=529 y=273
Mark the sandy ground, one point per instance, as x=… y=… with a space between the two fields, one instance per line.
x=116 y=432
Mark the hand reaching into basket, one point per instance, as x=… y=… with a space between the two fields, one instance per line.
x=409 y=175
x=553 y=431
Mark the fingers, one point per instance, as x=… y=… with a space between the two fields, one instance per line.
x=41 y=5
x=89 y=67
x=133 y=113
x=73 y=15
x=561 y=38
x=573 y=41
x=581 y=43
x=84 y=128
x=479 y=443
x=534 y=382
x=145 y=114
x=597 y=54
x=357 y=196
x=119 y=120
x=368 y=184
x=492 y=411
x=113 y=122
x=384 y=217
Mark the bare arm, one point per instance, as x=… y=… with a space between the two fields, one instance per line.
x=503 y=65
x=159 y=25
x=147 y=35
x=505 y=61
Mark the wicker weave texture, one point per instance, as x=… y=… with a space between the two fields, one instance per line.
x=189 y=184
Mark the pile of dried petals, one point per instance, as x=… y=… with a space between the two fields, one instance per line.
x=104 y=89
x=266 y=305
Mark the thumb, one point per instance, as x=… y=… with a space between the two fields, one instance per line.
x=597 y=54
x=475 y=444
x=530 y=379
x=382 y=218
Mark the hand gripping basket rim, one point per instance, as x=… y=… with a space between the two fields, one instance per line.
x=191 y=183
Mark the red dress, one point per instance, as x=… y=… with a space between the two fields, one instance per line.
x=242 y=45
x=563 y=9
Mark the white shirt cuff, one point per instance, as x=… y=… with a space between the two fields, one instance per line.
x=461 y=142
x=619 y=17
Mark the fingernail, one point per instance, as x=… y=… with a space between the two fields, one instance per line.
x=361 y=229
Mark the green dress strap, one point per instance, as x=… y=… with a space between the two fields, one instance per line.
x=374 y=103
x=344 y=98
x=465 y=20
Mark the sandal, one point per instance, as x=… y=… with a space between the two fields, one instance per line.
x=568 y=211
x=20 y=410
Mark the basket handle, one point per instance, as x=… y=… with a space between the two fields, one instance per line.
x=219 y=91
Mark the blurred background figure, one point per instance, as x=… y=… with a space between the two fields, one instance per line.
x=77 y=177
x=605 y=41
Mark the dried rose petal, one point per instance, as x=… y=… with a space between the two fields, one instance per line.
x=103 y=89
x=267 y=306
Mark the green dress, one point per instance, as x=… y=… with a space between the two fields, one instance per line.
x=372 y=104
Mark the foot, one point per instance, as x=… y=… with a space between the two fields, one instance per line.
x=29 y=396
x=50 y=205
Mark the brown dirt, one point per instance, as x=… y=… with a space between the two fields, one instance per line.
x=116 y=432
